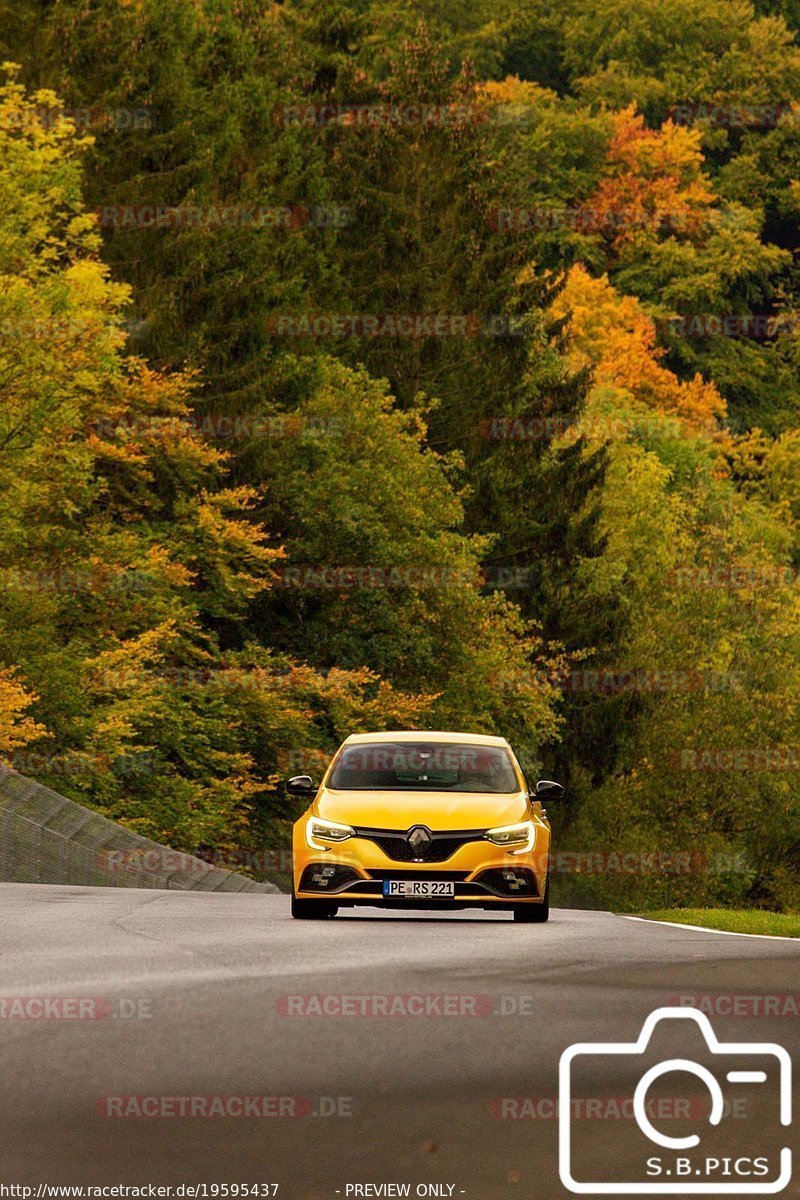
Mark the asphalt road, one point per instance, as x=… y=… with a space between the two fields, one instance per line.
x=189 y=995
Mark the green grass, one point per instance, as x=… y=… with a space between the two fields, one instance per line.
x=734 y=920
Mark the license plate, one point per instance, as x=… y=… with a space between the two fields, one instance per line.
x=419 y=889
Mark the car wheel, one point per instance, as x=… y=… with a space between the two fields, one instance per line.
x=535 y=914
x=312 y=910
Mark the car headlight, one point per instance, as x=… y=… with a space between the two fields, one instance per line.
x=521 y=837
x=328 y=831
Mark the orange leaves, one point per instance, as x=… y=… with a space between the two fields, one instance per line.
x=613 y=334
x=655 y=181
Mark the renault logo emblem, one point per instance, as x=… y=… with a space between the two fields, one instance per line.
x=419 y=839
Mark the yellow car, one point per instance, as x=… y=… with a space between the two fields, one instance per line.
x=422 y=820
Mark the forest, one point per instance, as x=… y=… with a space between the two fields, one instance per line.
x=396 y=364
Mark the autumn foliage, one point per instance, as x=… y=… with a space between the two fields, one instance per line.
x=600 y=481
x=614 y=336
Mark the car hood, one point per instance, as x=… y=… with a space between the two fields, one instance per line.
x=437 y=810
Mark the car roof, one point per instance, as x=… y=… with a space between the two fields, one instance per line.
x=425 y=735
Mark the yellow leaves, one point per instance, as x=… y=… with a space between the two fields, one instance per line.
x=513 y=102
x=747 y=454
x=360 y=701
x=782 y=470
x=59 y=310
x=229 y=550
x=673 y=151
x=16 y=728
x=513 y=93
x=769 y=469
x=36 y=120
x=127 y=663
x=237 y=536
x=87 y=282
x=146 y=420
x=641 y=522
x=138 y=568
x=613 y=334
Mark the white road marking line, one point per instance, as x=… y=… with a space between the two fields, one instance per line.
x=767 y=937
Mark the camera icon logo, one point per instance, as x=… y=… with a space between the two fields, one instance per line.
x=663 y=1163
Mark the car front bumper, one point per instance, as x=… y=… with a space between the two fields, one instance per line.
x=483 y=875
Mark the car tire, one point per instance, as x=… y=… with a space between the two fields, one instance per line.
x=312 y=910
x=535 y=914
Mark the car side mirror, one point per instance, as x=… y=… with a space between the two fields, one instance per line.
x=547 y=790
x=301 y=785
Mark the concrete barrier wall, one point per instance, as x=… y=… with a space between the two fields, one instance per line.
x=45 y=838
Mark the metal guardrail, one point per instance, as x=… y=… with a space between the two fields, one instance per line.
x=46 y=838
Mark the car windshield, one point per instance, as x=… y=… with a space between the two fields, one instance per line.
x=424 y=766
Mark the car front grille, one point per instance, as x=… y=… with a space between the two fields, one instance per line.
x=399 y=844
x=455 y=876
